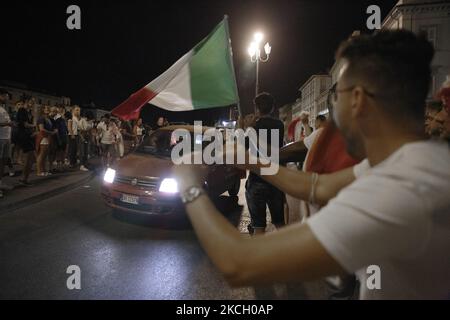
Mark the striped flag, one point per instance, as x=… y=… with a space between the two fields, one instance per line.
x=203 y=78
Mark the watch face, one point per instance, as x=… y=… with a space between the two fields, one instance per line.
x=194 y=192
x=191 y=194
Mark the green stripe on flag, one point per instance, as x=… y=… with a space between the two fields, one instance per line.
x=212 y=76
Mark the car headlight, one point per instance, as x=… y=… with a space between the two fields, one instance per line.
x=109 y=176
x=169 y=185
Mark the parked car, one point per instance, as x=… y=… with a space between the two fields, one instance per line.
x=142 y=181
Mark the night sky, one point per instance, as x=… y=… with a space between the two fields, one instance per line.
x=123 y=45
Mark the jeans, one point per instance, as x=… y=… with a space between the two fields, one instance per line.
x=83 y=150
x=73 y=149
x=259 y=195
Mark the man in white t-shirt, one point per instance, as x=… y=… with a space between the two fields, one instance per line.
x=391 y=226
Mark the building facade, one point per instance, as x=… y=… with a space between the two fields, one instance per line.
x=431 y=17
x=21 y=92
x=314 y=96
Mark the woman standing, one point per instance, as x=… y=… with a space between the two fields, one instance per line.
x=43 y=140
x=60 y=124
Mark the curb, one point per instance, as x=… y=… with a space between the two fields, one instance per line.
x=45 y=195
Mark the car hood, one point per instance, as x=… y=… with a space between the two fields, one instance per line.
x=144 y=166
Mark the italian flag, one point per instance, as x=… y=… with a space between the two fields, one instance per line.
x=203 y=78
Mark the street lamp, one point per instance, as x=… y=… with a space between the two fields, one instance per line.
x=255 y=55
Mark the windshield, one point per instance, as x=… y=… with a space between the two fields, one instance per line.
x=161 y=142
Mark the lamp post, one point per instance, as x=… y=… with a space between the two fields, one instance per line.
x=255 y=55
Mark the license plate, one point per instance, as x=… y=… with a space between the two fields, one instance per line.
x=129 y=199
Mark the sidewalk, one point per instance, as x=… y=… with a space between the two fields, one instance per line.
x=42 y=187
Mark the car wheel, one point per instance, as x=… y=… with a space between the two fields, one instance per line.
x=234 y=190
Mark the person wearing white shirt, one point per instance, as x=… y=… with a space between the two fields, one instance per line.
x=391 y=226
x=107 y=132
x=5 y=138
x=74 y=138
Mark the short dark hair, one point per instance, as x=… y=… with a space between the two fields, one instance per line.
x=264 y=102
x=68 y=115
x=89 y=114
x=107 y=116
x=321 y=117
x=395 y=65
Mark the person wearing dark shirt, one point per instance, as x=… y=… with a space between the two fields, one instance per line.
x=259 y=193
x=60 y=139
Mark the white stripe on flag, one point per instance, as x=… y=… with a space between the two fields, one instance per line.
x=176 y=96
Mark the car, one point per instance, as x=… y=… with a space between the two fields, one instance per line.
x=142 y=182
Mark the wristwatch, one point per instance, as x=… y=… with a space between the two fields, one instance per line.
x=191 y=193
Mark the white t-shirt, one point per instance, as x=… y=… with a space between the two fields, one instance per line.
x=75 y=125
x=5 y=132
x=395 y=216
x=107 y=133
x=361 y=168
x=84 y=124
x=309 y=140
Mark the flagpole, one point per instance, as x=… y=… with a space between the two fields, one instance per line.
x=232 y=64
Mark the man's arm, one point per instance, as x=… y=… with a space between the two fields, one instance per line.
x=290 y=254
x=298 y=183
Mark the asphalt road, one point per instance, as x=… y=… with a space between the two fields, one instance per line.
x=120 y=256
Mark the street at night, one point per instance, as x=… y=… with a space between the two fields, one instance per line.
x=121 y=256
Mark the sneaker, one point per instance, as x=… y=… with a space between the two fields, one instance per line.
x=12 y=173
x=83 y=168
x=47 y=174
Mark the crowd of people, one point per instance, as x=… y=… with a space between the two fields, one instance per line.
x=375 y=182
x=61 y=138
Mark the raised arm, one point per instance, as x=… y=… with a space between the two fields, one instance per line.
x=290 y=254
x=298 y=183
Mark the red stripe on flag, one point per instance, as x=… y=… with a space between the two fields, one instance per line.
x=131 y=108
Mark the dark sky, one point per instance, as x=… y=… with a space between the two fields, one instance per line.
x=123 y=45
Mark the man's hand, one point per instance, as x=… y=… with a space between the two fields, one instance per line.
x=187 y=174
